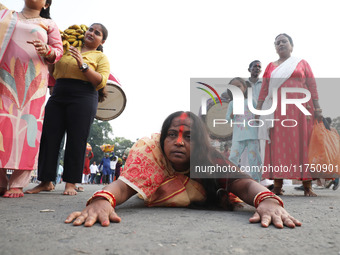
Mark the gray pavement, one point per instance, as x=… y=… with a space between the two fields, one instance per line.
x=26 y=229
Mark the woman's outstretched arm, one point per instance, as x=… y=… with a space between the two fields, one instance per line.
x=100 y=209
x=268 y=211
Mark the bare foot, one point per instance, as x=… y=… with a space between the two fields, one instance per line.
x=309 y=193
x=70 y=189
x=43 y=186
x=2 y=191
x=277 y=191
x=14 y=193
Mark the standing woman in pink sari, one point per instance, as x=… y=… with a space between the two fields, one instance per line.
x=287 y=144
x=29 y=41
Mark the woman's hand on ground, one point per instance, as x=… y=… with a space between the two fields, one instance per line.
x=99 y=210
x=269 y=211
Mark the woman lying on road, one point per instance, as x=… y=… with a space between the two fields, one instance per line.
x=158 y=169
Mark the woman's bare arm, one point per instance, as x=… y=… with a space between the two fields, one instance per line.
x=100 y=209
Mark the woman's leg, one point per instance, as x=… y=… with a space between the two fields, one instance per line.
x=278 y=183
x=52 y=135
x=307 y=185
x=236 y=151
x=79 y=115
x=51 y=138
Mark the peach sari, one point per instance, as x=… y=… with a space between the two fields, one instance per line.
x=149 y=173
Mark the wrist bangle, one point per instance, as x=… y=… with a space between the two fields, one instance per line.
x=265 y=195
x=49 y=52
x=317 y=110
x=103 y=194
x=49 y=49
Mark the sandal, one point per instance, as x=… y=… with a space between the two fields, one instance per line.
x=79 y=189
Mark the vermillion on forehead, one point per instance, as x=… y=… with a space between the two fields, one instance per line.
x=183 y=116
x=181 y=122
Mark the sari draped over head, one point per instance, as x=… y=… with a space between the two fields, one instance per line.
x=148 y=172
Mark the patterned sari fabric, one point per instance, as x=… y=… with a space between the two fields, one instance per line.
x=2 y=6
x=23 y=84
x=149 y=173
x=289 y=145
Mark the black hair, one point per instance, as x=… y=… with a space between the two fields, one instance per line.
x=105 y=33
x=198 y=136
x=289 y=38
x=253 y=62
x=102 y=93
x=244 y=84
x=329 y=120
x=45 y=13
x=201 y=153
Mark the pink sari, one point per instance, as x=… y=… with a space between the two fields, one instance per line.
x=289 y=145
x=23 y=84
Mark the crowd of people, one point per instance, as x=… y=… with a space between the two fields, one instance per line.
x=157 y=168
x=106 y=172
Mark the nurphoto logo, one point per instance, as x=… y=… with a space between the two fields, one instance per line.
x=239 y=100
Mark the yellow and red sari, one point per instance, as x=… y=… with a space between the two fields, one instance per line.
x=149 y=173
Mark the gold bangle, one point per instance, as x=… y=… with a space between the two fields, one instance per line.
x=103 y=194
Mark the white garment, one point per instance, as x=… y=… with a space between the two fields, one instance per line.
x=85 y=179
x=113 y=164
x=93 y=169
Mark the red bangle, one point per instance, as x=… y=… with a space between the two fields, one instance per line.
x=49 y=49
x=103 y=194
x=49 y=53
x=265 y=195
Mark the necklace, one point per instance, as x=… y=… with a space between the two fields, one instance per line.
x=29 y=17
